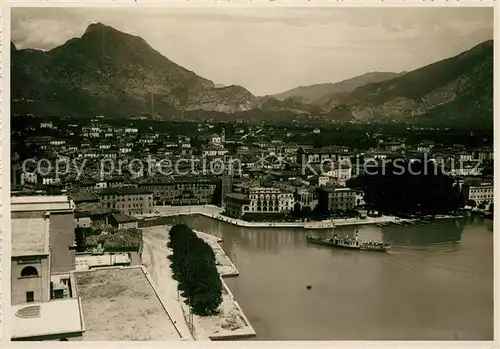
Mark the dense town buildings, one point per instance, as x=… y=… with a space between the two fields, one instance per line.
x=183 y=190
x=72 y=231
x=198 y=169
x=306 y=155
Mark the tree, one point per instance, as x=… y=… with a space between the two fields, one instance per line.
x=296 y=211
x=397 y=190
x=471 y=203
x=306 y=211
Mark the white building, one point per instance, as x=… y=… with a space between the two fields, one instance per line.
x=86 y=261
x=478 y=193
x=269 y=200
x=323 y=181
x=29 y=177
x=464 y=170
x=216 y=140
x=57 y=142
x=125 y=150
x=465 y=156
x=340 y=174
x=215 y=152
x=50 y=179
x=82 y=221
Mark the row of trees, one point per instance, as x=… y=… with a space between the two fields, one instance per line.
x=193 y=266
x=481 y=205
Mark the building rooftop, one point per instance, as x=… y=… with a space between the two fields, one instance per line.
x=30 y=236
x=324 y=150
x=91 y=209
x=121 y=218
x=479 y=185
x=87 y=261
x=84 y=196
x=265 y=189
x=124 y=191
x=238 y=197
x=51 y=318
x=333 y=189
x=122 y=304
x=179 y=180
x=40 y=203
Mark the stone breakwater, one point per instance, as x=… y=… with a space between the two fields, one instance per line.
x=229 y=323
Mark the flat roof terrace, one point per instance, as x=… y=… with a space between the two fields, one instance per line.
x=122 y=304
x=40 y=203
x=30 y=236
x=41 y=320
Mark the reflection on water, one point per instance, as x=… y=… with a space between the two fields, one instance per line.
x=435 y=283
x=438 y=233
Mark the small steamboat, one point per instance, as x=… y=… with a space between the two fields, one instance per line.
x=349 y=243
x=354 y=245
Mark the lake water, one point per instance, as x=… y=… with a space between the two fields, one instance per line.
x=436 y=283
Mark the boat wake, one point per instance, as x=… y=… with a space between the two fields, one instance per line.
x=423 y=262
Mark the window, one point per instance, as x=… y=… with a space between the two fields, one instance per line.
x=30 y=296
x=29 y=271
x=59 y=294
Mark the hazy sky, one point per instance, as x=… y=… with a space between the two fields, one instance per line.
x=270 y=50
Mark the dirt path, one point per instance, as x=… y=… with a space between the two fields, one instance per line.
x=154 y=258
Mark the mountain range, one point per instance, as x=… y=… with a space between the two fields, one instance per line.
x=113 y=73
x=321 y=93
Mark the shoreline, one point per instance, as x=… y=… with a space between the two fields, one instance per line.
x=215 y=212
x=225 y=265
x=226 y=268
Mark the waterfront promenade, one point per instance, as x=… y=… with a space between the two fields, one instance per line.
x=230 y=323
x=216 y=213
